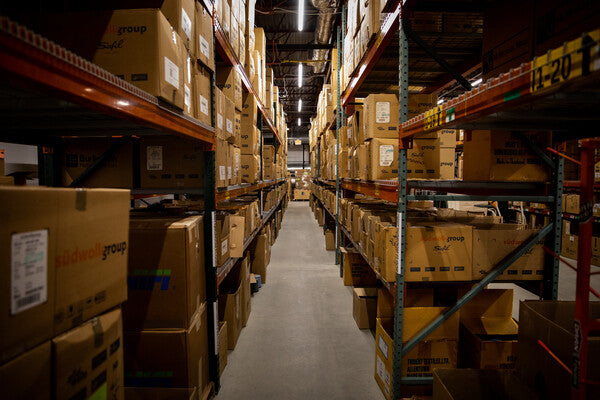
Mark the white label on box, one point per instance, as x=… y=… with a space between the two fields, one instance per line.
x=224 y=247
x=29 y=270
x=220 y=121
x=229 y=172
x=230 y=126
x=204 y=47
x=188 y=97
x=189 y=71
x=154 y=158
x=383 y=374
x=204 y=106
x=386 y=155
x=186 y=24
x=382 y=112
x=382 y=346
x=171 y=73
x=222 y=173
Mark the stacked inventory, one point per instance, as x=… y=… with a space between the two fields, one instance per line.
x=302 y=184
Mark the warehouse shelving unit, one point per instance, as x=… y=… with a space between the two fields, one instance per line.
x=61 y=94
x=526 y=98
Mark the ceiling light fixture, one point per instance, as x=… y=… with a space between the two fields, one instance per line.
x=299 y=121
x=299 y=105
x=299 y=74
x=300 y=15
x=477 y=82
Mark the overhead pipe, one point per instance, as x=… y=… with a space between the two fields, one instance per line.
x=323 y=31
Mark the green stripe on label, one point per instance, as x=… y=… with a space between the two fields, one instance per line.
x=513 y=94
x=166 y=272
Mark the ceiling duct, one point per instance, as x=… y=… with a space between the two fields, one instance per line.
x=324 y=30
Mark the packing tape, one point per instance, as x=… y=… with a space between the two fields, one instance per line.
x=98 y=332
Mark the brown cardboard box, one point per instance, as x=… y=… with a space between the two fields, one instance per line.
x=151 y=60
x=222 y=346
x=165 y=273
x=260 y=257
x=222 y=159
x=88 y=360
x=493 y=242
x=438 y=350
x=479 y=384
x=236 y=166
x=356 y=271
x=154 y=393
x=223 y=226
x=220 y=114
x=250 y=168
x=381 y=118
x=246 y=295
x=423 y=160
x=329 y=240
x=169 y=162
x=552 y=322
x=189 y=100
x=419 y=103
x=230 y=83
x=168 y=358
x=249 y=107
x=438 y=252
x=237 y=130
x=201 y=93
x=488 y=334
x=500 y=156
x=28 y=375
x=66 y=251
x=383 y=158
x=181 y=16
x=268 y=152
x=204 y=37
x=364 y=307
x=230 y=311
x=250 y=140
x=229 y=115
x=571 y=204
x=385 y=251
x=115 y=172
x=301 y=194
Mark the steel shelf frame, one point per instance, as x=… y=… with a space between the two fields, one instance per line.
x=231 y=192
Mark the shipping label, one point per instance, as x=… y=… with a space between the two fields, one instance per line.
x=154 y=158
x=383 y=346
x=383 y=374
x=386 y=155
x=29 y=270
x=204 y=49
x=188 y=97
x=204 y=106
x=220 y=121
x=382 y=112
x=186 y=24
x=171 y=73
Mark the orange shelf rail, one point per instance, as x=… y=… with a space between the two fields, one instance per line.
x=231 y=192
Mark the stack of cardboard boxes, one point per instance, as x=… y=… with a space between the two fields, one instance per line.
x=64 y=256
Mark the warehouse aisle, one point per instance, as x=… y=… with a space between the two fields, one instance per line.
x=301 y=341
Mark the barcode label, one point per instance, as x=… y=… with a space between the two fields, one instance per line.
x=204 y=47
x=204 y=105
x=171 y=73
x=29 y=270
x=25 y=301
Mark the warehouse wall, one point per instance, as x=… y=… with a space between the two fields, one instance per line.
x=295 y=156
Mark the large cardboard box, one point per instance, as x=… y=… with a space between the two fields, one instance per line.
x=28 y=376
x=438 y=350
x=493 y=242
x=381 y=116
x=181 y=16
x=222 y=346
x=230 y=83
x=488 y=333
x=64 y=256
x=329 y=239
x=356 y=272
x=204 y=37
x=501 y=156
x=165 y=273
x=260 y=256
x=88 y=360
x=438 y=252
x=169 y=162
x=154 y=393
x=250 y=140
x=364 y=306
x=383 y=159
x=201 y=88
x=115 y=172
x=221 y=162
x=223 y=228
x=246 y=294
x=168 y=358
x=230 y=311
x=424 y=159
x=250 y=168
x=552 y=322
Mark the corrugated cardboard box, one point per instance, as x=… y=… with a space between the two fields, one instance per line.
x=88 y=360
x=165 y=273
x=222 y=236
x=66 y=253
x=260 y=257
x=168 y=358
x=222 y=346
x=28 y=375
x=356 y=272
x=364 y=307
x=250 y=140
x=329 y=240
x=381 y=116
x=246 y=295
x=250 y=168
x=230 y=83
x=181 y=16
x=201 y=92
x=424 y=159
x=230 y=311
x=383 y=158
x=204 y=37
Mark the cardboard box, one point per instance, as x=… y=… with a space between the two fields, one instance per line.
x=115 y=172
x=229 y=116
x=571 y=204
x=479 y=384
x=246 y=295
x=260 y=257
x=250 y=140
x=222 y=346
x=438 y=350
x=250 y=168
x=230 y=83
x=169 y=162
x=488 y=333
x=329 y=240
x=88 y=360
x=552 y=322
x=230 y=311
x=501 y=156
x=66 y=253
x=356 y=272
x=168 y=358
x=493 y=242
x=19 y=374
x=420 y=103
x=438 y=252
x=383 y=158
x=301 y=194
x=268 y=152
x=189 y=100
x=201 y=88
x=221 y=162
x=181 y=16
x=381 y=116
x=223 y=226
x=154 y=393
x=165 y=273
x=236 y=166
x=424 y=159
x=364 y=307
x=204 y=37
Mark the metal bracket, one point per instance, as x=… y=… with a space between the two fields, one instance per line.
x=96 y=164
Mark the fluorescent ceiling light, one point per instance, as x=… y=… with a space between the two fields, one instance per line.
x=477 y=82
x=299 y=121
x=440 y=101
x=299 y=105
x=299 y=74
x=300 y=15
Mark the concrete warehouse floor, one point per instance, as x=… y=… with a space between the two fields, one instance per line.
x=301 y=341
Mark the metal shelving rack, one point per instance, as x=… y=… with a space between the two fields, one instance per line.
x=521 y=100
x=41 y=72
